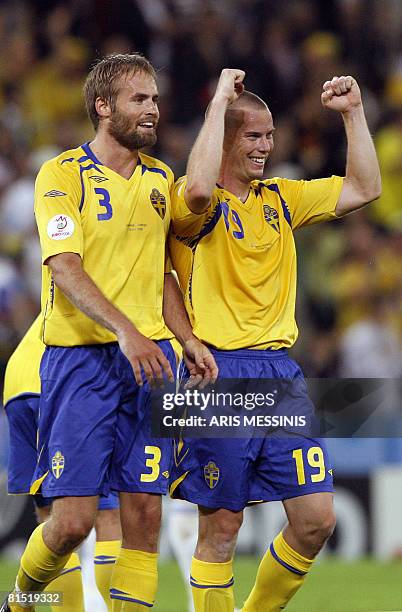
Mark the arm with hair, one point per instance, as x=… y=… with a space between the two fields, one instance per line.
x=206 y=155
x=362 y=183
x=70 y=277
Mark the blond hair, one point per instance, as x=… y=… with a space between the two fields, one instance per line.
x=104 y=79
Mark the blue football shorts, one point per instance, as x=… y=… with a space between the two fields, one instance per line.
x=234 y=472
x=22 y=414
x=95 y=425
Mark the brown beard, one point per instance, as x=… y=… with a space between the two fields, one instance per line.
x=121 y=129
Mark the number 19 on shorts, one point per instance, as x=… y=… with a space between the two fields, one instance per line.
x=315 y=459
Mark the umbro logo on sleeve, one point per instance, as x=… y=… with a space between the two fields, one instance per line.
x=54 y=193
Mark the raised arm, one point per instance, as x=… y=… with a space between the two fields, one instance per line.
x=206 y=155
x=362 y=182
x=71 y=278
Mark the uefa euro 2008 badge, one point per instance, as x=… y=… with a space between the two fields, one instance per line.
x=60 y=227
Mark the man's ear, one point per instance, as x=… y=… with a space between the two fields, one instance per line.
x=102 y=107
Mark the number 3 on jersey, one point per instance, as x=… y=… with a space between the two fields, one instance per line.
x=153 y=463
x=104 y=201
x=315 y=459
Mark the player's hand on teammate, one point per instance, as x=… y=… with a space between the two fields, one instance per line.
x=341 y=94
x=146 y=354
x=200 y=363
x=230 y=84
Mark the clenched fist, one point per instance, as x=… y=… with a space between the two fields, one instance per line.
x=230 y=84
x=341 y=94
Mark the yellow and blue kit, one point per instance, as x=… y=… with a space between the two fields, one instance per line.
x=94 y=430
x=236 y=264
x=243 y=254
x=118 y=227
x=21 y=396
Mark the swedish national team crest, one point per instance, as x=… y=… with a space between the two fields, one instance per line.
x=158 y=201
x=211 y=474
x=57 y=464
x=271 y=217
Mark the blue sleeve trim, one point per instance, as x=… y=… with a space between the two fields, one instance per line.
x=286 y=211
x=284 y=564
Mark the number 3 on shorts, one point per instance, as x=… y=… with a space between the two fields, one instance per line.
x=315 y=459
x=152 y=463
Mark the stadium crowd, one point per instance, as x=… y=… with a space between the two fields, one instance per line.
x=350 y=296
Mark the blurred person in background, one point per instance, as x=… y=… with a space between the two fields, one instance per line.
x=369 y=347
x=17 y=222
x=387 y=212
x=369 y=35
x=63 y=76
x=365 y=269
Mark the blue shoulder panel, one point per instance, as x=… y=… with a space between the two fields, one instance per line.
x=274 y=187
x=157 y=170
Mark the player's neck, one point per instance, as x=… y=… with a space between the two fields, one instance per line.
x=231 y=183
x=113 y=155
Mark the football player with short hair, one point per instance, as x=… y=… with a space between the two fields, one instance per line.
x=233 y=248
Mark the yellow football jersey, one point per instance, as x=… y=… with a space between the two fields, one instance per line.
x=237 y=261
x=118 y=226
x=22 y=371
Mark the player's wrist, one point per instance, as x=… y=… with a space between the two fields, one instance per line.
x=126 y=328
x=220 y=101
x=189 y=339
x=354 y=112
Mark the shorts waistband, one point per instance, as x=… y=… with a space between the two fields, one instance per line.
x=269 y=354
x=102 y=345
x=84 y=346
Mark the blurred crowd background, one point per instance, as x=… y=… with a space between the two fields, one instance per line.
x=350 y=272
x=350 y=291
